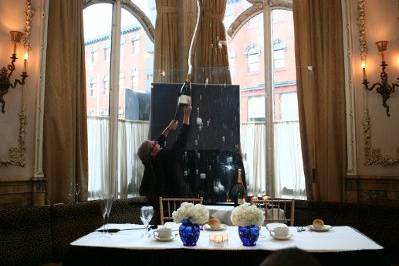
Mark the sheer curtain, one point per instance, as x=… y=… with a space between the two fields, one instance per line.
x=288 y=166
x=253 y=138
x=130 y=135
x=98 y=129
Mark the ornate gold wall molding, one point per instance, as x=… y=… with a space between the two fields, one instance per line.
x=372 y=156
x=16 y=155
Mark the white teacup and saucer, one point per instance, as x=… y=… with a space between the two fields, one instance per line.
x=163 y=234
x=280 y=233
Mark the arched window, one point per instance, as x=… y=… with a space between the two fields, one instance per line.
x=265 y=71
x=115 y=33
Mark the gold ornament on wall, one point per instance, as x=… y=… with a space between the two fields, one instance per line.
x=372 y=156
x=16 y=155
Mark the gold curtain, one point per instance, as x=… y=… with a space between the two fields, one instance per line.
x=321 y=96
x=211 y=57
x=65 y=129
x=166 y=46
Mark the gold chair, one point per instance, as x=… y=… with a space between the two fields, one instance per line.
x=277 y=210
x=168 y=205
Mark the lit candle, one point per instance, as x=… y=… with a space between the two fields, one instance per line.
x=364 y=69
x=225 y=237
x=26 y=56
x=15 y=47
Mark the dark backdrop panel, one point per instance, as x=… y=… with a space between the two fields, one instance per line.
x=212 y=154
x=216 y=105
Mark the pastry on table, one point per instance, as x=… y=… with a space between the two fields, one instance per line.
x=214 y=223
x=318 y=224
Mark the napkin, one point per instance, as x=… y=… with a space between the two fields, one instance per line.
x=123 y=226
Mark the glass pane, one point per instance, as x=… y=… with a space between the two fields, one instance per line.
x=97 y=35
x=136 y=72
x=288 y=166
x=148 y=7
x=233 y=9
x=246 y=61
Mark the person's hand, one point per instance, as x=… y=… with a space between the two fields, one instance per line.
x=173 y=125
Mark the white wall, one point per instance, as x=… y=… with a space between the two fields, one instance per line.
x=13 y=18
x=382 y=23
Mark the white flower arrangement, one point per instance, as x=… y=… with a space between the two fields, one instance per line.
x=247 y=214
x=197 y=214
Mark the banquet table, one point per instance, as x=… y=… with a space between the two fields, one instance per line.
x=342 y=245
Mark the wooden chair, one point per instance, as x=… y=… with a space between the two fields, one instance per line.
x=277 y=210
x=168 y=205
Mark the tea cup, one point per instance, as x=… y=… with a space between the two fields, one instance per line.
x=163 y=233
x=280 y=232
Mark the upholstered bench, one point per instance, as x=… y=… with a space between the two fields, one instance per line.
x=25 y=236
x=40 y=235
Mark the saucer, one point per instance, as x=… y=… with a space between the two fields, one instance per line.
x=282 y=237
x=325 y=228
x=220 y=228
x=165 y=239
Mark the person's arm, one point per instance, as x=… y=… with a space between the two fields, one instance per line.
x=162 y=138
x=183 y=134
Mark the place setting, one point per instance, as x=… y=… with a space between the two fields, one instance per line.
x=214 y=224
x=279 y=231
x=319 y=226
x=164 y=234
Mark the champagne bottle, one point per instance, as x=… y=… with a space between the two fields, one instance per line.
x=237 y=192
x=184 y=97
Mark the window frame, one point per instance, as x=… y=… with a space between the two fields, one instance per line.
x=114 y=77
x=266 y=8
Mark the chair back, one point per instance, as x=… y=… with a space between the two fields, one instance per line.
x=168 y=205
x=277 y=210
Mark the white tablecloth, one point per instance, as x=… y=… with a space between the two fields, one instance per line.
x=339 y=238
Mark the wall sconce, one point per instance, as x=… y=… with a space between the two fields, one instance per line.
x=6 y=72
x=382 y=87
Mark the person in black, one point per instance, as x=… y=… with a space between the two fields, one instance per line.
x=163 y=175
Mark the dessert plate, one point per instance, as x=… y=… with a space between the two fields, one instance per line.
x=220 y=228
x=325 y=228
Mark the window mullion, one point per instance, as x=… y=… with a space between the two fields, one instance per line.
x=270 y=184
x=114 y=96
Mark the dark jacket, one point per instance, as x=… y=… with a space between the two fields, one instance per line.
x=163 y=175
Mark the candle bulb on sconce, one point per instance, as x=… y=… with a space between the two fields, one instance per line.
x=26 y=56
x=364 y=69
x=382 y=87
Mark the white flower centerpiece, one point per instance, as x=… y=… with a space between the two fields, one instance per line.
x=191 y=216
x=249 y=219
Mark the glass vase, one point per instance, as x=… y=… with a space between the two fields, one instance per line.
x=189 y=233
x=249 y=234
